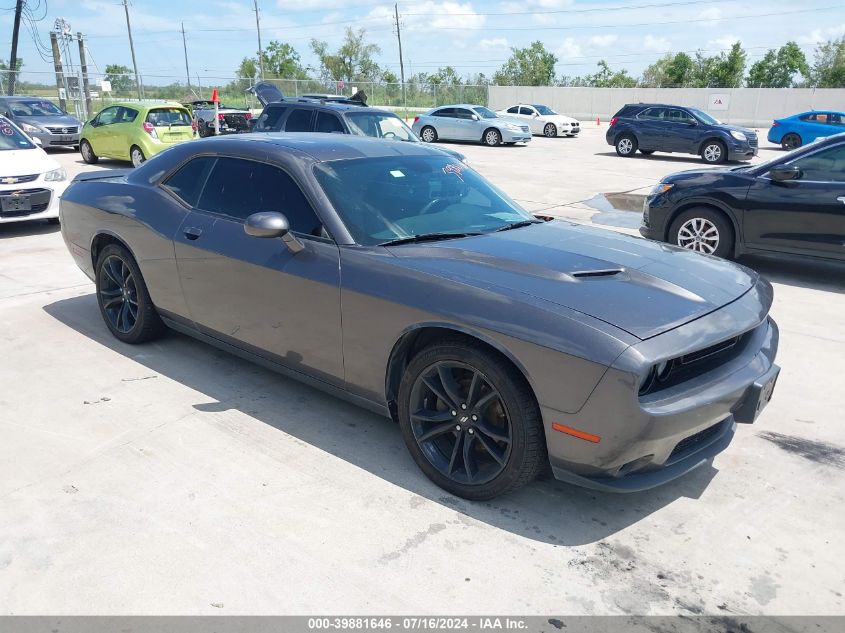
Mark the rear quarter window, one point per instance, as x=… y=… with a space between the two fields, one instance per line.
x=628 y=111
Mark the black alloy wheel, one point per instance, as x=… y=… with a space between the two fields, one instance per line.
x=790 y=142
x=470 y=422
x=123 y=298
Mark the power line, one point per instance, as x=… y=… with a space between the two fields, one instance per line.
x=653 y=5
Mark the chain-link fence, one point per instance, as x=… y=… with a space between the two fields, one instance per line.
x=69 y=90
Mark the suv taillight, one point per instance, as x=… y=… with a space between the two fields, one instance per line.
x=150 y=129
x=221 y=116
x=248 y=116
x=416 y=118
x=194 y=125
x=613 y=121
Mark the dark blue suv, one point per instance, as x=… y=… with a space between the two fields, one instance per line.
x=652 y=127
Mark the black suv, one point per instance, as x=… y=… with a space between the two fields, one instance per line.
x=331 y=116
x=791 y=204
x=652 y=127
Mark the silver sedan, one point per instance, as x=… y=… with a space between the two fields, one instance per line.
x=466 y=122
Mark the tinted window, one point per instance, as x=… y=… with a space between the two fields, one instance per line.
x=836 y=119
x=448 y=112
x=189 y=180
x=126 y=115
x=328 y=122
x=462 y=113
x=379 y=125
x=679 y=116
x=168 y=116
x=34 y=107
x=238 y=188
x=299 y=120
x=827 y=165
x=628 y=110
x=11 y=138
x=513 y=110
x=108 y=116
x=527 y=111
x=269 y=119
x=654 y=114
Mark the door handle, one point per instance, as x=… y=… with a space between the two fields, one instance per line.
x=841 y=199
x=192 y=232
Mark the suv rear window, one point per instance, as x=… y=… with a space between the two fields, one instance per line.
x=628 y=110
x=168 y=116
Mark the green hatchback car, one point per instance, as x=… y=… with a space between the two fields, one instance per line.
x=135 y=131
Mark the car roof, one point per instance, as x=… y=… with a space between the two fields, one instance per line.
x=146 y=104
x=326 y=147
x=329 y=105
x=27 y=97
x=460 y=105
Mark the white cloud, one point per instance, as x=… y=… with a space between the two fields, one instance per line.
x=712 y=16
x=495 y=42
x=726 y=41
x=568 y=49
x=822 y=35
x=659 y=44
x=456 y=17
x=603 y=40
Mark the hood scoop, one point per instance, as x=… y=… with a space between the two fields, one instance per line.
x=603 y=272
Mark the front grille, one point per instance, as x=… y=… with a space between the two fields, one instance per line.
x=71 y=129
x=696 y=442
x=14 y=180
x=39 y=201
x=752 y=141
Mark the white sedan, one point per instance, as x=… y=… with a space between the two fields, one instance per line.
x=31 y=182
x=543 y=120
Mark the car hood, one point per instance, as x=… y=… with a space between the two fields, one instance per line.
x=24 y=162
x=749 y=133
x=644 y=288
x=558 y=118
x=266 y=92
x=52 y=121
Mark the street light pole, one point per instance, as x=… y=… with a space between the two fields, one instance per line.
x=132 y=48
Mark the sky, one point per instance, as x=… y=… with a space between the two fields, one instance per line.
x=473 y=35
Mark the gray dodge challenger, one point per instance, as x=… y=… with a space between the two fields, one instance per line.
x=398 y=278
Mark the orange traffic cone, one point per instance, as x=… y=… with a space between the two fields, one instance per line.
x=598 y=119
x=214 y=96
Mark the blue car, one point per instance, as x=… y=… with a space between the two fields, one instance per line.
x=800 y=129
x=655 y=127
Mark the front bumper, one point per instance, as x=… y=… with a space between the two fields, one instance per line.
x=650 y=440
x=742 y=150
x=57 y=140
x=509 y=136
x=55 y=189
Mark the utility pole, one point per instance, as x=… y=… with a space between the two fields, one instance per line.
x=401 y=63
x=258 y=28
x=132 y=48
x=57 y=65
x=185 y=47
x=83 y=66
x=13 y=60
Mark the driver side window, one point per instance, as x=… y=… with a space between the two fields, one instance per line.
x=827 y=165
x=108 y=116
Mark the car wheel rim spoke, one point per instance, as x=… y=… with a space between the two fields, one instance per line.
x=460 y=423
x=700 y=235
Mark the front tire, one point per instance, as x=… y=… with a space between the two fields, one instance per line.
x=470 y=421
x=703 y=230
x=492 y=137
x=714 y=153
x=87 y=152
x=626 y=145
x=791 y=141
x=136 y=155
x=550 y=130
x=428 y=134
x=124 y=301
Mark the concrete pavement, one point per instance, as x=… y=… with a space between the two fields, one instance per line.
x=171 y=478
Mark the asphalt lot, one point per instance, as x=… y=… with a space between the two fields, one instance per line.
x=171 y=478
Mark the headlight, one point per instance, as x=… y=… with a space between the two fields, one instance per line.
x=56 y=175
x=739 y=135
x=663 y=187
x=30 y=129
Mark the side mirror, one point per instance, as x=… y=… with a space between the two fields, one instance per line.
x=475 y=117
x=535 y=115
x=784 y=173
x=37 y=141
x=692 y=122
x=271 y=224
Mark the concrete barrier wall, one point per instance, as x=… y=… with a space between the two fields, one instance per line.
x=755 y=107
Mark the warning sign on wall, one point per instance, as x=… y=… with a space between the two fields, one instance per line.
x=719 y=101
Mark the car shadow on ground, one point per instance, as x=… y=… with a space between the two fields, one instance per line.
x=545 y=510
x=803 y=272
x=673 y=158
x=27 y=227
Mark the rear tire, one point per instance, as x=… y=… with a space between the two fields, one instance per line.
x=791 y=141
x=626 y=145
x=87 y=152
x=493 y=444
x=703 y=230
x=124 y=301
x=136 y=155
x=428 y=134
x=492 y=137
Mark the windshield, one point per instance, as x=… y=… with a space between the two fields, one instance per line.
x=34 y=107
x=379 y=125
x=484 y=113
x=544 y=109
x=704 y=117
x=12 y=138
x=395 y=197
x=169 y=116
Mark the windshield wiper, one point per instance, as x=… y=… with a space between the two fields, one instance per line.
x=518 y=225
x=426 y=237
